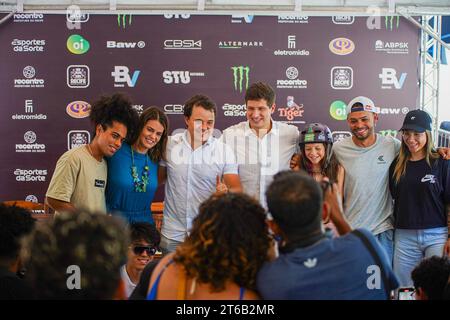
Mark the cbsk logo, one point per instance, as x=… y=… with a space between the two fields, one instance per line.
x=240 y=74
x=183 y=44
x=78 y=109
x=389 y=79
x=76 y=44
x=429 y=178
x=121 y=76
x=341 y=46
x=122 y=20
x=174 y=109
x=77 y=138
x=138 y=107
x=337 y=110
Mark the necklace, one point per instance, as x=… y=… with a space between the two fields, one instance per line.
x=140 y=185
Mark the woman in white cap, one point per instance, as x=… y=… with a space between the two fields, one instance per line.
x=420 y=186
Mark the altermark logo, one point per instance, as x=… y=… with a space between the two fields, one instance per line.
x=123 y=20
x=138 y=107
x=389 y=79
x=30 y=175
x=240 y=74
x=29 y=72
x=183 y=44
x=180 y=77
x=30 y=145
x=28 y=17
x=34 y=45
x=292 y=82
x=293 y=19
x=77 y=138
x=391 y=47
x=291 y=44
x=29 y=113
x=121 y=75
x=78 y=76
x=110 y=44
x=341 y=78
x=240 y=44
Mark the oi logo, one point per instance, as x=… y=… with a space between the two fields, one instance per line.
x=337 y=110
x=77 y=44
x=239 y=74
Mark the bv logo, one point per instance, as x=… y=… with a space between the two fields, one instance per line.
x=341 y=46
x=240 y=73
x=76 y=44
x=388 y=79
x=121 y=76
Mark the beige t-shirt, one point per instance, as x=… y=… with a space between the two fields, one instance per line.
x=80 y=179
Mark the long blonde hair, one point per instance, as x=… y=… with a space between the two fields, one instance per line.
x=404 y=156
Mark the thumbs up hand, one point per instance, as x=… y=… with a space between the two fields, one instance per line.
x=221 y=187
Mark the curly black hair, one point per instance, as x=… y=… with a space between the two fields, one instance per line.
x=117 y=107
x=432 y=275
x=144 y=231
x=95 y=243
x=15 y=222
x=229 y=241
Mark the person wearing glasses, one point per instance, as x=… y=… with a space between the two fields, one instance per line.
x=133 y=170
x=420 y=186
x=143 y=246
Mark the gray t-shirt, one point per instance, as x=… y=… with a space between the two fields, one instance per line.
x=367 y=200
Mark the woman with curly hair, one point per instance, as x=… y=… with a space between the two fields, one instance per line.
x=220 y=258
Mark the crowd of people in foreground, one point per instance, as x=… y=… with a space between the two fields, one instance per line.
x=264 y=211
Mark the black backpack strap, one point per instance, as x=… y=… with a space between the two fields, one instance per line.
x=375 y=257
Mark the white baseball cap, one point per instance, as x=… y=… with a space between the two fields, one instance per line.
x=365 y=105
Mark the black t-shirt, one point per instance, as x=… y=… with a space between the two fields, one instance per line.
x=14 y=288
x=421 y=195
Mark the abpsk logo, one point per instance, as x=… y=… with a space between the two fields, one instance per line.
x=240 y=75
x=76 y=44
x=29 y=137
x=78 y=76
x=123 y=20
x=29 y=72
x=341 y=46
x=78 y=109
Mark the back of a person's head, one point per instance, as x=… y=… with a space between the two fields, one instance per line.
x=144 y=231
x=228 y=242
x=15 y=223
x=294 y=200
x=432 y=276
x=93 y=245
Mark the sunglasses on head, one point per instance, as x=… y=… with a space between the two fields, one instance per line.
x=138 y=250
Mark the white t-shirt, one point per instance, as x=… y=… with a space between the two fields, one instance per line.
x=129 y=285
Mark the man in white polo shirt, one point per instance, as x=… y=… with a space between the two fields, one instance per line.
x=195 y=166
x=262 y=145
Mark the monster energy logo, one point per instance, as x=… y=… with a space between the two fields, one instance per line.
x=389 y=22
x=392 y=133
x=239 y=73
x=122 y=20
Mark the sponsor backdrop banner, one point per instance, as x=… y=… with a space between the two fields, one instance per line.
x=54 y=66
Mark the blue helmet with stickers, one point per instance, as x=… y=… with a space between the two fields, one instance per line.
x=316 y=133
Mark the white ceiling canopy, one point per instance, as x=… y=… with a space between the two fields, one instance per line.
x=261 y=7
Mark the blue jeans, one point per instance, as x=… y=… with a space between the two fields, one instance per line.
x=168 y=245
x=411 y=246
x=386 y=240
